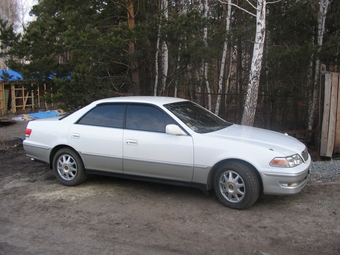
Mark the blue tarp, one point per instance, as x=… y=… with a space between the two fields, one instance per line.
x=10 y=75
x=43 y=115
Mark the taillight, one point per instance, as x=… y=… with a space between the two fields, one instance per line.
x=28 y=132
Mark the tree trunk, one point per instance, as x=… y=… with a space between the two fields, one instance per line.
x=181 y=12
x=239 y=79
x=177 y=70
x=165 y=51
x=156 y=61
x=205 y=64
x=316 y=84
x=162 y=54
x=256 y=64
x=132 y=49
x=224 y=55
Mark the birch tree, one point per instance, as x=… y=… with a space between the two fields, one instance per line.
x=155 y=88
x=224 y=55
x=162 y=52
x=165 y=51
x=322 y=13
x=256 y=65
x=205 y=65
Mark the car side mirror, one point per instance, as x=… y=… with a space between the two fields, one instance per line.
x=173 y=129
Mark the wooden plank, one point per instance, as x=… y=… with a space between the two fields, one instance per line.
x=325 y=118
x=337 y=125
x=13 y=107
x=332 y=114
x=32 y=98
x=25 y=100
x=38 y=94
x=22 y=98
x=2 y=98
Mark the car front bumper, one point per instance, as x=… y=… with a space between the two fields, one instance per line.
x=283 y=183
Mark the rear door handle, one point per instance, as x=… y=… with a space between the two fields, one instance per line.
x=75 y=136
x=131 y=142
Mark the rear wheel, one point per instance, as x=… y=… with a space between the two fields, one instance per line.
x=237 y=185
x=68 y=167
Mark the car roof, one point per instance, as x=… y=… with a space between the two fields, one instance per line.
x=141 y=99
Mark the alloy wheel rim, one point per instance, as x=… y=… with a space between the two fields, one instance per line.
x=232 y=186
x=67 y=167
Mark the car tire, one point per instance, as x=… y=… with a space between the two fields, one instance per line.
x=68 y=167
x=237 y=185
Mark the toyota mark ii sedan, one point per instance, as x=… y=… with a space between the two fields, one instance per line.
x=172 y=141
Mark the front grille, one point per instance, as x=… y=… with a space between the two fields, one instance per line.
x=305 y=154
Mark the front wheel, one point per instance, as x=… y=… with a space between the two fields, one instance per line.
x=237 y=185
x=68 y=167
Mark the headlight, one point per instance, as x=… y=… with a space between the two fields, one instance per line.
x=290 y=161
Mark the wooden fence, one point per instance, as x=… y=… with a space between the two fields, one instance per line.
x=330 y=130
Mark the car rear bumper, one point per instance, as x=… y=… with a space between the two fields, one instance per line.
x=37 y=152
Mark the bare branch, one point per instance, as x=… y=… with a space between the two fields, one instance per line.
x=274 y=2
x=235 y=5
x=251 y=4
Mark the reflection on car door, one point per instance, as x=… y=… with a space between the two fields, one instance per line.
x=149 y=151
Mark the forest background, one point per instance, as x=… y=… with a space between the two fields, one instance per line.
x=197 y=49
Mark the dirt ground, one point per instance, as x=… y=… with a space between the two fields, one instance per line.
x=115 y=216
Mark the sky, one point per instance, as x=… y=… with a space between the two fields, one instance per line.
x=28 y=5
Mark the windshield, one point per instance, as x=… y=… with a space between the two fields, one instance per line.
x=196 y=117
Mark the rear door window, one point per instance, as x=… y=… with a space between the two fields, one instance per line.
x=105 y=115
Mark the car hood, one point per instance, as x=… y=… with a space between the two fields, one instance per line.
x=263 y=138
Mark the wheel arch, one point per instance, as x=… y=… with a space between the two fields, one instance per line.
x=214 y=169
x=57 y=148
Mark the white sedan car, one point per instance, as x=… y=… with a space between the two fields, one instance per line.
x=172 y=141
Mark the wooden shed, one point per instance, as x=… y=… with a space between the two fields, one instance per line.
x=14 y=96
